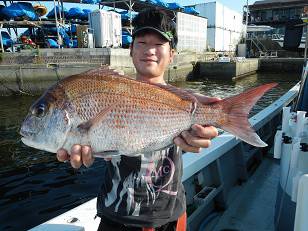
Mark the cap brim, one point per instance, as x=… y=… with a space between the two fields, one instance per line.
x=154 y=29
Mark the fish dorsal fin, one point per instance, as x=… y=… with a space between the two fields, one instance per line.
x=183 y=94
x=86 y=126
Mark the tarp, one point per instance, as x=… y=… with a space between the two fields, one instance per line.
x=90 y=1
x=126 y=39
x=75 y=13
x=158 y=2
x=19 y=11
x=6 y=38
x=62 y=33
x=86 y=13
x=51 y=13
x=175 y=6
x=191 y=10
x=125 y=15
x=52 y=43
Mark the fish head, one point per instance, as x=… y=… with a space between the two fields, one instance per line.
x=48 y=122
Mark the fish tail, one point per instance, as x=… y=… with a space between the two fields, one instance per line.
x=236 y=110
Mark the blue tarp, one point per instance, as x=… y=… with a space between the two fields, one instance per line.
x=63 y=34
x=6 y=38
x=19 y=11
x=51 y=13
x=175 y=6
x=75 y=43
x=126 y=39
x=86 y=13
x=52 y=43
x=125 y=15
x=90 y=1
x=158 y=2
x=191 y=10
x=77 y=13
x=74 y=13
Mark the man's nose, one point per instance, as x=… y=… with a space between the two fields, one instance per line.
x=150 y=50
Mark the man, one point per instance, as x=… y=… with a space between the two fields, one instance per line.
x=145 y=192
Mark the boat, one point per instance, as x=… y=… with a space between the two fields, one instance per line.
x=216 y=181
x=234 y=186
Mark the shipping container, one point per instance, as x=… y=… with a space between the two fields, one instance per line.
x=192 y=32
x=225 y=26
x=220 y=16
x=106 y=27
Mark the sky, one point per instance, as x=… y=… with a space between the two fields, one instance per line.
x=236 y=5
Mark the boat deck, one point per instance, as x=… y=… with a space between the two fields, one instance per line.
x=252 y=204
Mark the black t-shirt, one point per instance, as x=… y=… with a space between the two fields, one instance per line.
x=143 y=191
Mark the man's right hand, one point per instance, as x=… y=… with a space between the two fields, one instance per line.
x=80 y=155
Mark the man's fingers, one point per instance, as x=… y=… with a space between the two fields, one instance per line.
x=87 y=157
x=186 y=147
x=76 y=158
x=62 y=155
x=195 y=141
x=208 y=132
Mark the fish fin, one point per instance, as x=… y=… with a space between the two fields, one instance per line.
x=85 y=127
x=237 y=109
x=106 y=154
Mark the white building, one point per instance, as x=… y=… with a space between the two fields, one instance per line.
x=192 y=32
x=224 y=28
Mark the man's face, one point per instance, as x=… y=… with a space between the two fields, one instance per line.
x=151 y=55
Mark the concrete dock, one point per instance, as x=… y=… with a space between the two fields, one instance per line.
x=32 y=71
x=227 y=70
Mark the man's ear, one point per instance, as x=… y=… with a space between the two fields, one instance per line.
x=131 y=50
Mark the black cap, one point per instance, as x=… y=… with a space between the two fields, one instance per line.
x=157 y=21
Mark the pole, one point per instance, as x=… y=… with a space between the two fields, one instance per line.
x=57 y=23
x=246 y=21
x=306 y=45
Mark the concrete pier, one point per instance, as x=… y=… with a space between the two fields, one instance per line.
x=32 y=71
x=227 y=71
x=276 y=65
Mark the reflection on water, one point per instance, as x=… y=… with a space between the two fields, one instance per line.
x=35 y=186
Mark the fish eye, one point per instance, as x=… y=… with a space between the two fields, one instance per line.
x=40 y=110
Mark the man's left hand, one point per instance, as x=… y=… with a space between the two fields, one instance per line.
x=196 y=138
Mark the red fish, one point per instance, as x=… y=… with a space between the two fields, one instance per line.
x=117 y=115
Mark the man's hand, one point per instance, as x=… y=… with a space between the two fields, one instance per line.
x=198 y=136
x=80 y=155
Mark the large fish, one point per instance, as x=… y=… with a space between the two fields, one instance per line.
x=117 y=115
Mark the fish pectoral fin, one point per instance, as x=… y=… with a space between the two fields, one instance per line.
x=106 y=154
x=86 y=126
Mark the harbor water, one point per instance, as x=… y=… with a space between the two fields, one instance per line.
x=35 y=187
